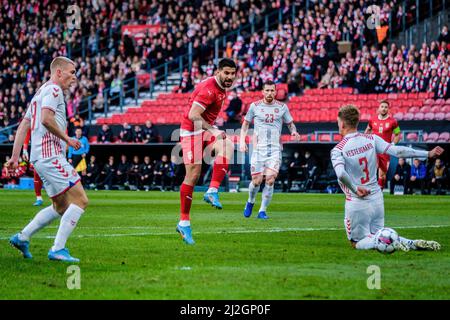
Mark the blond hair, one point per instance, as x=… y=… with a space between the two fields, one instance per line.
x=60 y=62
x=349 y=114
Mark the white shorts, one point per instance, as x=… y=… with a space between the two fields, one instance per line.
x=265 y=164
x=364 y=216
x=57 y=175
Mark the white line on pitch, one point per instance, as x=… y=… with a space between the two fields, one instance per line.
x=228 y=231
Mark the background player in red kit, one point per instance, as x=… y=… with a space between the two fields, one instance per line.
x=37 y=179
x=199 y=137
x=383 y=126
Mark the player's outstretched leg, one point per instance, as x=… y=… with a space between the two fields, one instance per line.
x=253 y=190
x=420 y=244
x=266 y=198
x=184 y=226
x=43 y=218
x=38 y=190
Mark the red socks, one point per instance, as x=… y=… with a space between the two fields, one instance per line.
x=186 y=201
x=220 y=169
x=37 y=184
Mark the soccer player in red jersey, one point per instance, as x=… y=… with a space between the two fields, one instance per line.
x=37 y=179
x=199 y=137
x=384 y=126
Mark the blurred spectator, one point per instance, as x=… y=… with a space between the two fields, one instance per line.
x=122 y=171
x=138 y=134
x=150 y=132
x=104 y=135
x=133 y=172
x=234 y=108
x=295 y=170
x=438 y=177
x=76 y=122
x=178 y=171
x=90 y=176
x=126 y=133
x=444 y=35
x=164 y=173
x=401 y=176
x=146 y=173
x=108 y=174
x=75 y=156
x=310 y=170
x=417 y=177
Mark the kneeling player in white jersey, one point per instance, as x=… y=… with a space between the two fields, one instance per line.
x=355 y=162
x=268 y=115
x=46 y=117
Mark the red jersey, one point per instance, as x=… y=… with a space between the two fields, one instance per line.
x=208 y=95
x=384 y=128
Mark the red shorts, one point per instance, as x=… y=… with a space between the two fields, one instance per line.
x=193 y=147
x=383 y=162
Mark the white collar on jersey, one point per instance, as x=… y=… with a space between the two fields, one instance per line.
x=349 y=135
x=218 y=83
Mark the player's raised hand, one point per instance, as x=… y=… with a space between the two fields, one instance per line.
x=74 y=143
x=296 y=136
x=362 y=192
x=243 y=147
x=435 y=152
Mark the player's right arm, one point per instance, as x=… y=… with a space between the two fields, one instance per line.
x=22 y=130
x=384 y=147
x=244 y=129
x=338 y=161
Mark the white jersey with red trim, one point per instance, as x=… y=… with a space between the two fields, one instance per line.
x=357 y=153
x=43 y=143
x=268 y=122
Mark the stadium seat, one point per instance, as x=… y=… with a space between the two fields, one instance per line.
x=408 y=116
x=428 y=116
x=443 y=137
x=412 y=136
x=418 y=116
x=447 y=116
x=439 y=116
x=413 y=110
x=398 y=116
x=432 y=137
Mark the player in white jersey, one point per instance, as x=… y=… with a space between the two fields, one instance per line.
x=46 y=117
x=268 y=116
x=355 y=161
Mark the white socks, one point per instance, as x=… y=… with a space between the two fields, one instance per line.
x=409 y=243
x=184 y=223
x=252 y=192
x=66 y=226
x=266 y=197
x=366 y=243
x=41 y=220
x=213 y=190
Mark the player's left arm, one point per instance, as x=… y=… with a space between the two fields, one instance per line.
x=338 y=162
x=287 y=118
x=383 y=147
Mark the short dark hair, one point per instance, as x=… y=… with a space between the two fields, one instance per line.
x=226 y=62
x=269 y=83
x=385 y=101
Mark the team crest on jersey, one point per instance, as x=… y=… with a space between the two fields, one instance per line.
x=74 y=172
x=252 y=169
x=277 y=110
x=387 y=125
x=221 y=96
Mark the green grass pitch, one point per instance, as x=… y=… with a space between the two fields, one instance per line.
x=129 y=250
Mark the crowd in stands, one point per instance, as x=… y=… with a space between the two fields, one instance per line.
x=33 y=32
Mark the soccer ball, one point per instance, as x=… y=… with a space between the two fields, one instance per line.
x=385 y=239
